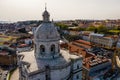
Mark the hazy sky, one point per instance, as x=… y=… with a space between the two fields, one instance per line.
x=15 y=10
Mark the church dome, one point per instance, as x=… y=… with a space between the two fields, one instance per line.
x=47 y=31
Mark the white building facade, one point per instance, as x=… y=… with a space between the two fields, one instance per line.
x=100 y=40
x=47 y=61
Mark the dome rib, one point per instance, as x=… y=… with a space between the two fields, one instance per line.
x=46 y=32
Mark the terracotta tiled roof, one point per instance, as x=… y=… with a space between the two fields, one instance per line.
x=3 y=53
x=83 y=41
x=82 y=45
x=22 y=45
x=93 y=61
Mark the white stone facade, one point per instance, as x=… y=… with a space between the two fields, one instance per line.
x=47 y=53
x=47 y=61
x=101 y=40
x=67 y=67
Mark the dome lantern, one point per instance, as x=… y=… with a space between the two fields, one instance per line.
x=46 y=15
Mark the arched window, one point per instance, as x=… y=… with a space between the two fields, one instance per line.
x=52 y=49
x=77 y=66
x=42 y=49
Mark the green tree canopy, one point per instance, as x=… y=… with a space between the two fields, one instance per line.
x=80 y=29
x=62 y=26
x=102 y=29
x=91 y=28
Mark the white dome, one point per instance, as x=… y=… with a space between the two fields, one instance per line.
x=46 y=39
x=47 y=31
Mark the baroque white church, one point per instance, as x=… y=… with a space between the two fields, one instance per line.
x=47 y=61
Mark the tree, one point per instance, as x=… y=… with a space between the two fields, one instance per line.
x=22 y=30
x=95 y=31
x=80 y=29
x=91 y=28
x=62 y=26
x=74 y=24
x=71 y=37
x=102 y=29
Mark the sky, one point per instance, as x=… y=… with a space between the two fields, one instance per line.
x=20 y=10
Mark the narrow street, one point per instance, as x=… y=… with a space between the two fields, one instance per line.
x=15 y=75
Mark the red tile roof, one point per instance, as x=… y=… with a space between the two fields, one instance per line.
x=83 y=41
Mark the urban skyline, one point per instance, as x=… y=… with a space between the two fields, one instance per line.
x=57 y=50
x=18 y=10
